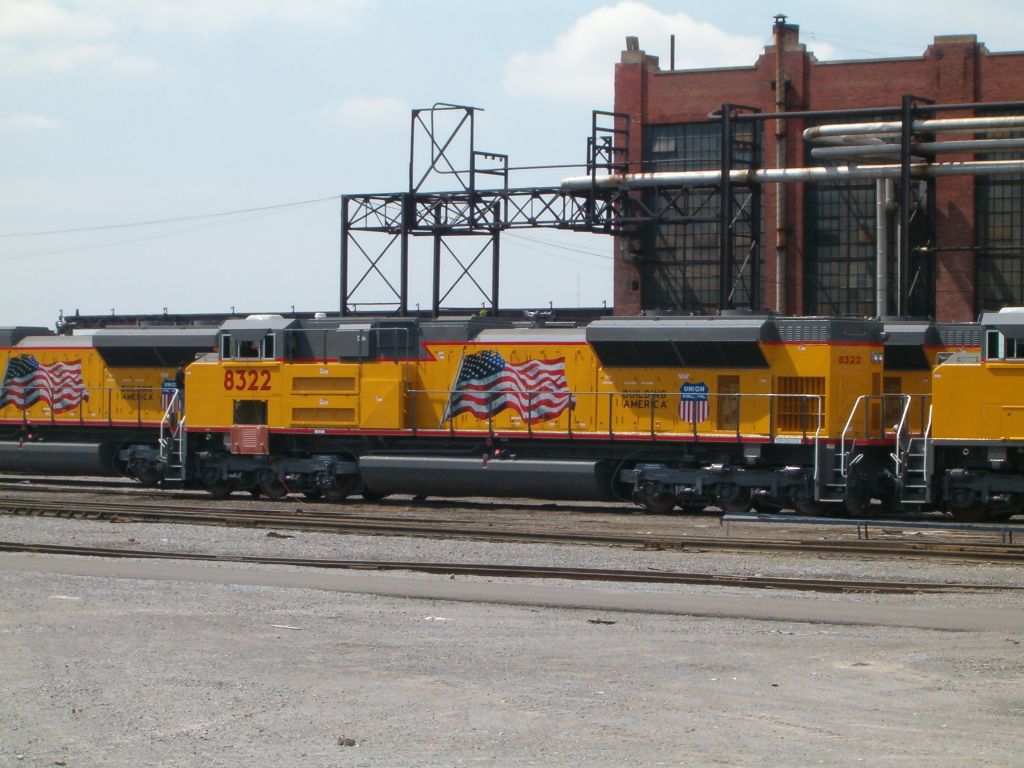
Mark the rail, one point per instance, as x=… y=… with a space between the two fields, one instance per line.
x=525 y=571
x=1006 y=532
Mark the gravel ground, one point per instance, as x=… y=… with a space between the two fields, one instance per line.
x=119 y=672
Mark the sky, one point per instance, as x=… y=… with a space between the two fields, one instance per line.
x=118 y=112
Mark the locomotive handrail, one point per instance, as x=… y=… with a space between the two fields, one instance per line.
x=927 y=436
x=97 y=397
x=174 y=421
x=846 y=430
x=900 y=425
x=653 y=397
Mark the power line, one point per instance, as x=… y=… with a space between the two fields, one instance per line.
x=113 y=243
x=552 y=244
x=174 y=220
x=564 y=258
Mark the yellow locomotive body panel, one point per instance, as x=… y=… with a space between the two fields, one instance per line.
x=805 y=391
x=71 y=383
x=981 y=400
x=296 y=396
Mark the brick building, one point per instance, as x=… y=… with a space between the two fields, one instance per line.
x=967 y=240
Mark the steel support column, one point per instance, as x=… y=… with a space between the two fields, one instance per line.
x=725 y=277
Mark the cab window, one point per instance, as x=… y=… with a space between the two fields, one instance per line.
x=993 y=345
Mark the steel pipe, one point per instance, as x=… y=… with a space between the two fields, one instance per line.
x=893 y=127
x=777 y=175
x=920 y=148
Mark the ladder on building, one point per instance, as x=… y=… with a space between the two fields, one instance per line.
x=172 y=442
x=911 y=459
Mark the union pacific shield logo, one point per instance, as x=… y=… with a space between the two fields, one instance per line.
x=693 y=402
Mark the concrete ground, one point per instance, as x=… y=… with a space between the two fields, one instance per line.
x=108 y=663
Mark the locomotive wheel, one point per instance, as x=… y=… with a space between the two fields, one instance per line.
x=219 y=489
x=313 y=495
x=972 y=513
x=274 y=489
x=856 y=499
x=809 y=508
x=1012 y=504
x=340 y=489
x=730 y=497
x=149 y=477
x=658 y=503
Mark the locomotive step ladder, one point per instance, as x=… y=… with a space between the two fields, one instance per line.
x=172 y=443
x=833 y=488
x=911 y=460
x=845 y=456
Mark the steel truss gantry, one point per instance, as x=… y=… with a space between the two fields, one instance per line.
x=479 y=202
x=481 y=205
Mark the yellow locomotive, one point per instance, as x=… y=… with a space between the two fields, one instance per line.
x=93 y=403
x=669 y=410
x=734 y=411
x=973 y=452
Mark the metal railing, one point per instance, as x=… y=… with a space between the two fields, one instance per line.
x=657 y=415
x=172 y=425
x=110 y=404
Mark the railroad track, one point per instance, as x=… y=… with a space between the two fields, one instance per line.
x=432 y=526
x=530 y=572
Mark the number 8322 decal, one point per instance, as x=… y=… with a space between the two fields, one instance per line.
x=247 y=380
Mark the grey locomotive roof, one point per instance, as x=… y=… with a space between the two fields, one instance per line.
x=1009 y=320
x=532 y=335
x=258 y=323
x=54 y=341
x=641 y=329
x=917 y=333
x=12 y=335
x=959 y=334
x=151 y=338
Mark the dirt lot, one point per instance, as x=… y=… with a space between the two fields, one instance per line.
x=127 y=671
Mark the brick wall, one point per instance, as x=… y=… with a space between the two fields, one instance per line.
x=953 y=69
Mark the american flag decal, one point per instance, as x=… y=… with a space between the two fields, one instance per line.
x=693 y=403
x=27 y=381
x=487 y=384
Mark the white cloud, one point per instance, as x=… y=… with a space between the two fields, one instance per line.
x=64 y=57
x=578 y=66
x=208 y=17
x=42 y=20
x=26 y=122
x=373 y=111
x=64 y=35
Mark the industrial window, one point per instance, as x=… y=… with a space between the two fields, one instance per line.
x=841 y=256
x=695 y=146
x=840 y=245
x=999 y=229
x=679 y=261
